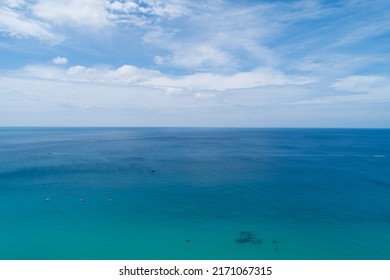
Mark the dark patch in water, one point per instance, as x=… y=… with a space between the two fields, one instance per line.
x=248 y=237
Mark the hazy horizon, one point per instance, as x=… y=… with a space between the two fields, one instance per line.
x=201 y=127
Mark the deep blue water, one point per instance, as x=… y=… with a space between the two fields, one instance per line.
x=177 y=193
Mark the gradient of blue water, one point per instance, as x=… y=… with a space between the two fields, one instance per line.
x=307 y=193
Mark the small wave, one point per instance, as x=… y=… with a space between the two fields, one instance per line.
x=323 y=155
x=379 y=156
x=55 y=153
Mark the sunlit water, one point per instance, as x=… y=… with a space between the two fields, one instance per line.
x=144 y=193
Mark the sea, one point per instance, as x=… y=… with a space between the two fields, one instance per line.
x=194 y=194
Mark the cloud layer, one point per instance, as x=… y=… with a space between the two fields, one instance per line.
x=127 y=75
x=250 y=63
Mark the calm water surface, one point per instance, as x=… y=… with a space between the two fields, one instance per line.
x=149 y=193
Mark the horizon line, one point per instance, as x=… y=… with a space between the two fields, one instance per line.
x=200 y=127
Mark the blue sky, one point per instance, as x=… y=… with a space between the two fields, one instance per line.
x=195 y=63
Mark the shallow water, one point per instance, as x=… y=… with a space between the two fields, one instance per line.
x=177 y=193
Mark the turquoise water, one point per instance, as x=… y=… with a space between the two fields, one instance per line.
x=148 y=193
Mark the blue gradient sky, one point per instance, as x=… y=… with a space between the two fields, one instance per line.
x=195 y=63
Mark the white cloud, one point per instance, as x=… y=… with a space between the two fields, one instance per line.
x=20 y=26
x=242 y=80
x=366 y=31
x=173 y=91
x=218 y=36
x=131 y=75
x=14 y=3
x=359 y=83
x=199 y=57
x=366 y=20
x=38 y=19
x=159 y=8
x=244 y=55
x=91 y=13
x=167 y=8
x=145 y=12
x=363 y=90
x=127 y=95
x=19 y=17
x=158 y=60
x=123 y=7
x=41 y=72
x=204 y=95
x=60 y=60
x=79 y=71
x=379 y=97
x=124 y=75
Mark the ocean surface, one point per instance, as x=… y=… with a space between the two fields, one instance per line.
x=194 y=193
